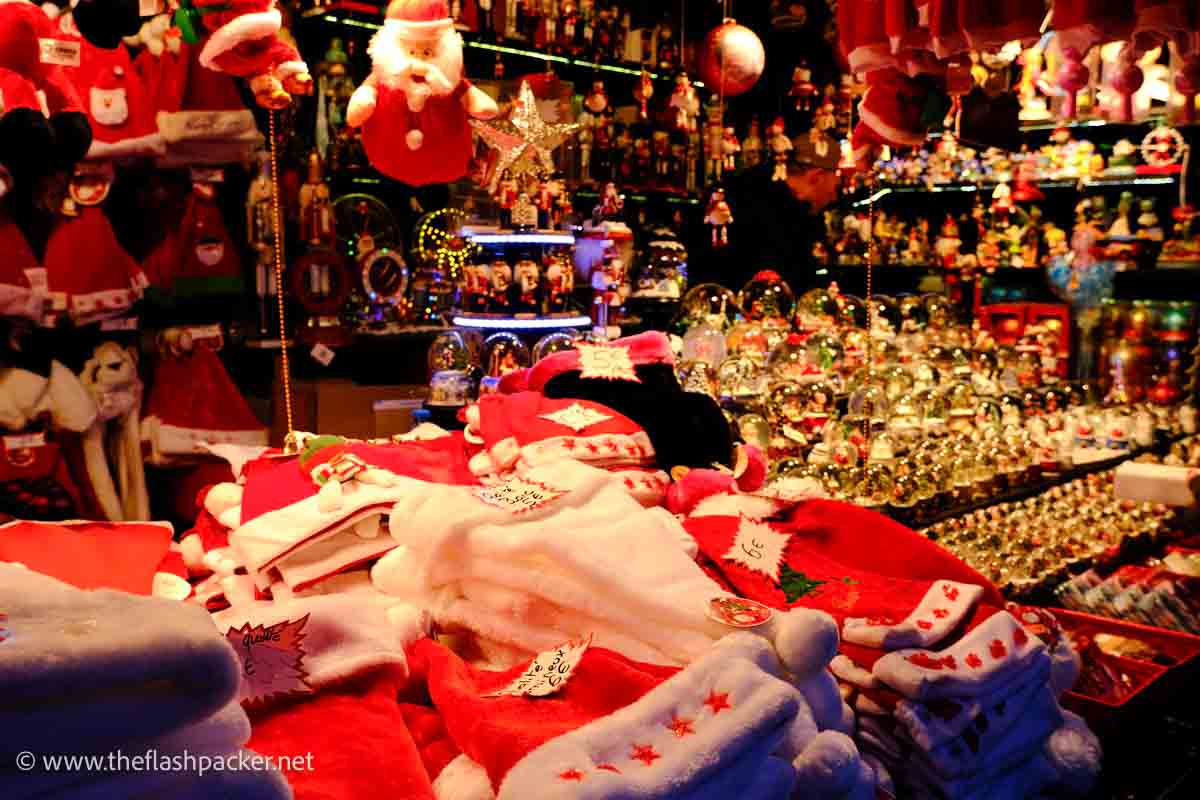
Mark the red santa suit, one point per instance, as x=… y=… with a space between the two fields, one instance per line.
x=245 y=43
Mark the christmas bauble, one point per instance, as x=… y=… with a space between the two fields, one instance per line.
x=733 y=59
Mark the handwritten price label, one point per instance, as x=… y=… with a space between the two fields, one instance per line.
x=272 y=659
x=519 y=496
x=548 y=672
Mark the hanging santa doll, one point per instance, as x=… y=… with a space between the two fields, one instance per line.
x=780 y=146
x=244 y=42
x=718 y=218
x=685 y=104
x=413 y=108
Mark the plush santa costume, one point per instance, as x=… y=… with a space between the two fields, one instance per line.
x=42 y=126
x=413 y=108
x=245 y=43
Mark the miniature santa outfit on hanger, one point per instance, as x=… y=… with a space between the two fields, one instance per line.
x=245 y=42
x=413 y=108
x=118 y=107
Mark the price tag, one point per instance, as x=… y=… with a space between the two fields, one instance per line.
x=738 y=612
x=208 y=175
x=59 y=52
x=37 y=279
x=518 y=496
x=272 y=659
x=120 y=324
x=25 y=442
x=548 y=672
x=322 y=355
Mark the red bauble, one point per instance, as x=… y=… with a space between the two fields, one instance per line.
x=733 y=59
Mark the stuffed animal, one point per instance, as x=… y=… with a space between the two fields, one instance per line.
x=111 y=377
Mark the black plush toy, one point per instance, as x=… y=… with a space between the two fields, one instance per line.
x=105 y=22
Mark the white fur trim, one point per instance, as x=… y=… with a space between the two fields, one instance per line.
x=426 y=29
x=152 y=144
x=177 y=440
x=729 y=747
x=463 y=779
x=731 y=505
x=886 y=131
x=19 y=301
x=334 y=554
x=241 y=29
x=414 y=139
x=182 y=126
x=289 y=68
x=613 y=449
x=944 y=606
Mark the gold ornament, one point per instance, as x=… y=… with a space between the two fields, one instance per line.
x=524 y=141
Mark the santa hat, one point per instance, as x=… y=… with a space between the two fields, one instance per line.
x=532 y=429
x=193 y=402
x=90 y=275
x=210 y=261
x=22 y=278
x=891 y=108
x=418 y=19
x=233 y=23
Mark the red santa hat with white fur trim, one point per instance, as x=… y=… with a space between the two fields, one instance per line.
x=22 y=278
x=122 y=120
x=889 y=114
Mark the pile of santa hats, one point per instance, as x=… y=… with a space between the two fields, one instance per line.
x=163 y=691
x=953 y=695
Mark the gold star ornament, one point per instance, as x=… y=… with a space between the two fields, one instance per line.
x=525 y=142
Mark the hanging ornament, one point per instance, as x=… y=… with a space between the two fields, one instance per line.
x=718 y=217
x=803 y=90
x=733 y=59
x=1125 y=83
x=524 y=141
x=643 y=92
x=1187 y=83
x=1072 y=77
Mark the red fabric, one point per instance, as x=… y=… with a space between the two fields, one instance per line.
x=37 y=483
x=843 y=589
x=194 y=391
x=23 y=25
x=89 y=555
x=18 y=91
x=870 y=541
x=359 y=744
x=85 y=262
x=255 y=57
x=166 y=76
x=110 y=69
x=273 y=483
x=445 y=151
x=172 y=563
x=429 y=733
x=497 y=732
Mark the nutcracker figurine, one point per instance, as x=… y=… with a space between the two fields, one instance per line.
x=662 y=156
x=730 y=147
x=560 y=281
x=477 y=284
x=752 y=147
x=609 y=290
x=484 y=10
x=611 y=203
x=587 y=135
x=316 y=215
x=780 y=146
x=569 y=27
x=602 y=147
x=685 y=104
x=668 y=50
x=718 y=218
x=506 y=199
x=641 y=158
x=502 y=281
x=642 y=93
x=260 y=224
x=528 y=278
x=524 y=213
x=714 y=144
x=803 y=90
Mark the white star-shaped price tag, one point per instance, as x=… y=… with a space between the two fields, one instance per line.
x=576 y=417
x=758 y=547
x=606 y=361
x=519 y=496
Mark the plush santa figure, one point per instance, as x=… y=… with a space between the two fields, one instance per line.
x=413 y=108
x=42 y=126
x=245 y=43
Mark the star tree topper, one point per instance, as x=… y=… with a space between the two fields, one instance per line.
x=524 y=141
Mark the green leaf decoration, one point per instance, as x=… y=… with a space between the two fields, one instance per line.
x=796 y=584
